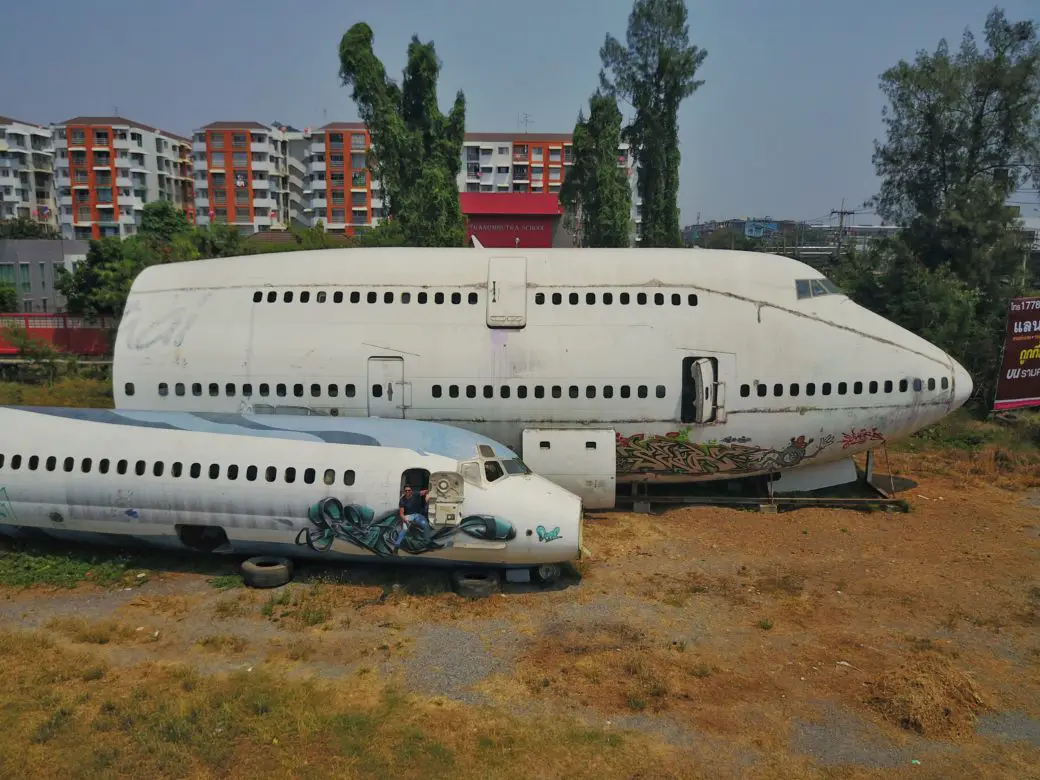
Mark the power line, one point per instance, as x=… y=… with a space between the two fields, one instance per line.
x=842 y=212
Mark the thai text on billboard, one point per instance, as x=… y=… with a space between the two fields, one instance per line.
x=1019 y=382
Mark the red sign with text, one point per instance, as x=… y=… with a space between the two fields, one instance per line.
x=508 y=231
x=1018 y=385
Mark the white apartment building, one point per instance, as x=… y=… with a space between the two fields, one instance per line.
x=339 y=190
x=109 y=167
x=26 y=172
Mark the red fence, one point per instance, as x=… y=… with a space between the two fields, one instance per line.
x=69 y=334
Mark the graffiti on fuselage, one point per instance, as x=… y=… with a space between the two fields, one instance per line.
x=674 y=453
x=862 y=436
x=6 y=512
x=358 y=525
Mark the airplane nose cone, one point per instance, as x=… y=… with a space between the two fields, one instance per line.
x=962 y=386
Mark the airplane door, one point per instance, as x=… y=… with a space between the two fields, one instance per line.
x=704 y=390
x=386 y=387
x=507 y=292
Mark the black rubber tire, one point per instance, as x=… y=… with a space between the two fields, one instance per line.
x=476 y=583
x=266 y=571
x=557 y=572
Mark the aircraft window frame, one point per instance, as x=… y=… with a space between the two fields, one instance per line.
x=67 y=466
x=572 y=299
x=641 y=298
x=539 y=391
x=309 y=475
x=176 y=470
x=230 y=390
x=471 y=391
x=607 y=298
x=290 y=475
x=504 y=391
x=195 y=470
x=489 y=391
x=251 y=473
x=272 y=296
x=539 y=299
x=102 y=466
x=349 y=391
x=889 y=386
x=490 y=466
x=258 y=297
x=337 y=297
x=453 y=391
x=608 y=391
x=642 y=391
x=658 y=299
x=422 y=297
x=572 y=391
x=305 y=297
x=436 y=391
x=232 y=472
x=557 y=391
x=129 y=388
x=34 y=462
x=349 y=477
x=761 y=389
x=371 y=297
x=872 y=388
x=179 y=389
x=521 y=391
x=50 y=465
x=355 y=296
x=810 y=388
x=456 y=298
x=196 y=389
x=271 y=473
x=473 y=299
x=329 y=477
x=140 y=467
x=624 y=298
x=590 y=298
x=626 y=391
x=214 y=471
x=321 y=297
x=590 y=391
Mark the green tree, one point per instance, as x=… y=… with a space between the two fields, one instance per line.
x=162 y=222
x=655 y=70
x=8 y=298
x=23 y=227
x=100 y=284
x=963 y=132
x=419 y=149
x=595 y=193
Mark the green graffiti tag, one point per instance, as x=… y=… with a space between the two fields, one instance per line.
x=548 y=536
x=6 y=512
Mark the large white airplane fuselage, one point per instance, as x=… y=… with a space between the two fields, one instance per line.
x=706 y=364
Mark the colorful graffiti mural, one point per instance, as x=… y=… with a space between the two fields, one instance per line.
x=6 y=512
x=860 y=437
x=358 y=525
x=674 y=453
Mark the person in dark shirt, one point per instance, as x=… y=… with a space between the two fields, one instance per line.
x=412 y=509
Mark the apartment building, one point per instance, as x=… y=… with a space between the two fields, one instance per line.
x=528 y=162
x=109 y=167
x=340 y=191
x=26 y=172
x=250 y=175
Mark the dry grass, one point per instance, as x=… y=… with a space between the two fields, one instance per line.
x=229 y=644
x=88 y=393
x=78 y=629
x=169 y=721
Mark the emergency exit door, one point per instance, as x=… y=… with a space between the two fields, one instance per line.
x=507 y=292
x=386 y=387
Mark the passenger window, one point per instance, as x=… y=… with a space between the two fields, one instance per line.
x=251 y=473
x=371 y=297
x=573 y=298
x=333 y=391
x=121 y=467
x=843 y=388
x=422 y=297
x=826 y=388
x=214 y=389
x=473 y=298
x=642 y=393
x=406 y=297
x=872 y=387
x=918 y=385
x=641 y=299
x=129 y=388
x=761 y=389
x=608 y=298
x=315 y=391
x=348 y=477
x=436 y=391
x=196 y=388
x=308 y=476
x=229 y=389
x=321 y=297
x=539 y=298
x=67 y=465
x=34 y=462
x=388 y=297
x=270 y=473
x=857 y=388
x=349 y=391
x=355 y=296
x=337 y=297
x=692 y=299
x=272 y=296
x=453 y=391
x=573 y=391
x=590 y=391
x=102 y=466
x=676 y=299
x=179 y=388
x=489 y=391
x=438 y=297
x=280 y=390
x=329 y=477
x=195 y=471
x=539 y=391
x=157 y=468
x=290 y=475
x=590 y=298
x=626 y=391
x=232 y=472
x=931 y=384
x=778 y=389
x=214 y=471
x=287 y=297
x=608 y=391
x=810 y=389
x=521 y=391
x=903 y=385
x=888 y=385
x=258 y=296
x=945 y=383
x=659 y=299
x=557 y=391
x=175 y=470
x=265 y=390
x=659 y=391
x=139 y=468
x=298 y=390
x=164 y=389
x=504 y=391
x=471 y=391
x=305 y=297
x=377 y=391
x=795 y=389
x=456 y=298
x=52 y=462
x=557 y=299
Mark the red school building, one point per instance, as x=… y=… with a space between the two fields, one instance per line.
x=514 y=219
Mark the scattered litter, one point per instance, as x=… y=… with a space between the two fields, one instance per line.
x=924 y=497
x=139 y=628
x=915 y=762
x=142 y=574
x=850 y=666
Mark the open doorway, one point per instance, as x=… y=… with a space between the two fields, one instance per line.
x=416 y=479
x=699 y=390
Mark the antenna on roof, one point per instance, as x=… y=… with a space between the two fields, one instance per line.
x=523 y=119
x=115 y=110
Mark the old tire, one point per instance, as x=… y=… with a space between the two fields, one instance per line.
x=475 y=583
x=547 y=573
x=266 y=571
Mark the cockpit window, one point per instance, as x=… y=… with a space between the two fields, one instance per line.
x=814 y=288
x=493 y=470
x=516 y=466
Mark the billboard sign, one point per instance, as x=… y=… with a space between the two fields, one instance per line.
x=760 y=229
x=1018 y=385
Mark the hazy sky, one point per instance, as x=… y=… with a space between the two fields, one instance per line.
x=783 y=126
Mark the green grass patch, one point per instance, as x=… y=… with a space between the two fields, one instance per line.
x=30 y=566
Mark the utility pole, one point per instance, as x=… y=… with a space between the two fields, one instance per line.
x=842 y=212
x=523 y=119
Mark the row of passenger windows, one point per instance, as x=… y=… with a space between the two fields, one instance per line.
x=158 y=468
x=873 y=387
x=472 y=298
x=350 y=391
x=371 y=297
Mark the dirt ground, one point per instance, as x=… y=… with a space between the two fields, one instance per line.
x=701 y=642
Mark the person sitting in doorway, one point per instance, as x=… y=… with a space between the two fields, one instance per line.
x=412 y=509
